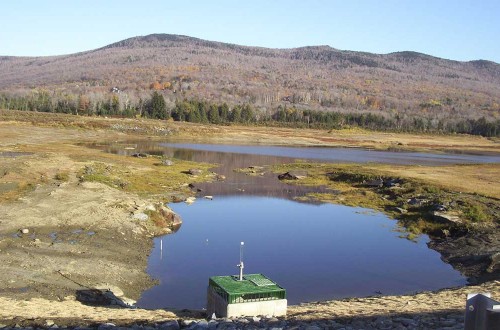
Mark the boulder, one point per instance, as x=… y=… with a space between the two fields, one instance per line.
x=194 y=171
x=446 y=217
x=167 y=162
x=220 y=177
x=190 y=200
x=494 y=263
x=293 y=175
x=390 y=183
x=377 y=183
x=172 y=218
x=417 y=201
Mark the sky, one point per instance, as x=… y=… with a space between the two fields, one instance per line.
x=461 y=30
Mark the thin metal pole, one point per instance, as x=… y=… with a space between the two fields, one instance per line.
x=241 y=265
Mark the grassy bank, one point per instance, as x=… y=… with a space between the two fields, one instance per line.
x=421 y=206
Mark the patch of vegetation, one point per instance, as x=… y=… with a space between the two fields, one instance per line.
x=62 y=176
x=412 y=202
x=144 y=176
x=157 y=218
x=475 y=212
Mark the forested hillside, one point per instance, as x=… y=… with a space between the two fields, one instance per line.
x=404 y=90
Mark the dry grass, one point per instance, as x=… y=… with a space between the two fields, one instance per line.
x=346 y=182
x=483 y=179
x=254 y=134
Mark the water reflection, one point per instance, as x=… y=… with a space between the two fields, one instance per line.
x=235 y=183
x=316 y=252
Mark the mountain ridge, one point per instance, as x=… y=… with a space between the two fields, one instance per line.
x=316 y=77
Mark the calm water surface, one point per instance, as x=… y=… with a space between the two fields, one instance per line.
x=348 y=155
x=316 y=251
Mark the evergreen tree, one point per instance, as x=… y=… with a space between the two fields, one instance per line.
x=156 y=107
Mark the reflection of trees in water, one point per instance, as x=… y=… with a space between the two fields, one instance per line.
x=235 y=183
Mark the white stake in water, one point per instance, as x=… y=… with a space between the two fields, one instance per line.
x=241 y=265
x=161 y=249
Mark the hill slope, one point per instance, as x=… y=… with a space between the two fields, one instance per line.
x=318 y=77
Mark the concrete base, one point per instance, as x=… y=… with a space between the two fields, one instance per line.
x=217 y=305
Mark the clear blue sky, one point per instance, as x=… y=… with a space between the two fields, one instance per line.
x=454 y=29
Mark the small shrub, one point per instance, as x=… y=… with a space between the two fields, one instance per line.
x=62 y=176
x=475 y=213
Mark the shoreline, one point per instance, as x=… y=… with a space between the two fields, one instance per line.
x=46 y=191
x=436 y=308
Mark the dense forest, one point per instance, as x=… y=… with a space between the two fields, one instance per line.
x=316 y=86
x=202 y=111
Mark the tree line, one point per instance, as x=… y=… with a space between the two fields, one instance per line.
x=201 y=111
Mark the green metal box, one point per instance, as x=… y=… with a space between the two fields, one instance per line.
x=253 y=287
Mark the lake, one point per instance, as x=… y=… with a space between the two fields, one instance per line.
x=316 y=251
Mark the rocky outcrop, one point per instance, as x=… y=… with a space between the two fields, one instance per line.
x=474 y=253
x=447 y=217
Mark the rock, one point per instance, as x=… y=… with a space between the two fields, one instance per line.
x=390 y=183
x=401 y=210
x=187 y=323
x=446 y=217
x=98 y=297
x=448 y=323
x=220 y=177
x=293 y=175
x=140 y=216
x=150 y=208
x=256 y=319
x=212 y=324
x=140 y=155
x=167 y=162
x=25 y=231
x=417 y=201
x=377 y=183
x=172 y=219
x=170 y=325
x=194 y=171
x=405 y=321
x=439 y=207
x=199 y=326
x=49 y=323
x=312 y=327
x=494 y=263
x=106 y=326
x=190 y=200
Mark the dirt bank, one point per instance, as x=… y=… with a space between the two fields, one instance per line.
x=73 y=218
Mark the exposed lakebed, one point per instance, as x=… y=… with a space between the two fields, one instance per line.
x=316 y=251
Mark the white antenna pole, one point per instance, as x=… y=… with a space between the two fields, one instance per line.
x=241 y=265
